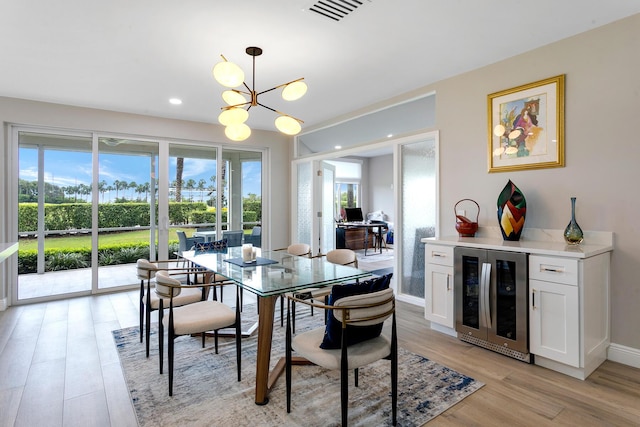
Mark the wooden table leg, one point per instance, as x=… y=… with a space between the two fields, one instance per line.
x=266 y=307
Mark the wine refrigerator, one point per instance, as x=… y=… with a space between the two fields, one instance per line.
x=490 y=290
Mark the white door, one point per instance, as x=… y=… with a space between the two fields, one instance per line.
x=326 y=218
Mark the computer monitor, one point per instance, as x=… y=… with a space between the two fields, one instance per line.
x=354 y=214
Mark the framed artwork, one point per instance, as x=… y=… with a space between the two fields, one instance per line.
x=526 y=126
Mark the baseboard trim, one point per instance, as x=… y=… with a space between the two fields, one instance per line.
x=625 y=355
x=3 y=304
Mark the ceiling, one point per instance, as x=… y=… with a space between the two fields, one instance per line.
x=132 y=56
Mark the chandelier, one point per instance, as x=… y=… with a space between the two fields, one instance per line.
x=234 y=114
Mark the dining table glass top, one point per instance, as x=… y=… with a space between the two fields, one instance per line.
x=285 y=273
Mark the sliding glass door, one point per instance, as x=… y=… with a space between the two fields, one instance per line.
x=90 y=205
x=126 y=200
x=54 y=214
x=418 y=208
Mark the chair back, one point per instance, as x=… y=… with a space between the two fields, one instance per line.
x=146 y=270
x=182 y=241
x=233 y=237
x=299 y=249
x=365 y=309
x=343 y=257
x=167 y=286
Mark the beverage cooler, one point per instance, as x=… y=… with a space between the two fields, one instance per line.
x=491 y=289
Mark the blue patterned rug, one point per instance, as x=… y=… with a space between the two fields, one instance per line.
x=206 y=392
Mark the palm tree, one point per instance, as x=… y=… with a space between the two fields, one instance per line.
x=143 y=188
x=117 y=184
x=190 y=186
x=110 y=188
x=201 y=186
x=102 y=188
x=132 y=185
x=179 y=170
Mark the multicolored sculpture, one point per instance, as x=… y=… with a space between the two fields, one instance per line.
x=512 y=208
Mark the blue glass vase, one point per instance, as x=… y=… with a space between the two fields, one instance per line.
x=573 y=233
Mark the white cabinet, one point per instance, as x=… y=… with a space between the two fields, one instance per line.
x=438 y=287
x=568 y=296
x=569 y=312
x=554 y=330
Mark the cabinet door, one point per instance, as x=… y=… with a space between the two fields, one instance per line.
x=554 y=316
x=439 y=294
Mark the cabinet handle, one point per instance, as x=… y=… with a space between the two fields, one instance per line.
x=437 y=255
x=448 y=284
x=551 y=269
x=533 y=299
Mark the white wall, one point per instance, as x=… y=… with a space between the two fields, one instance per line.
x=23 y=112
x=602 y=100
x=602 y=151
x=380 y=185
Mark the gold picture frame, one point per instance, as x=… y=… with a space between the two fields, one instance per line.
x=526 y=126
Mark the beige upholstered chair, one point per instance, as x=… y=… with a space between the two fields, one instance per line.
x=343 y=257
x=195 y=318
x=351 y=314
x=149 y=300
x=297 y=249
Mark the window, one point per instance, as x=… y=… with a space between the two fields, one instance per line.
x=347 y=185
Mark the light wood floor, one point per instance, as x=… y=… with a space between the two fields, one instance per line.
x=59 y=367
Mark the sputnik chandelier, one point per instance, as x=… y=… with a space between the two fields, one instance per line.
x=234 y=115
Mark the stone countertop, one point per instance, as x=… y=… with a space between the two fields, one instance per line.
x=544 y=242
x=6 y=249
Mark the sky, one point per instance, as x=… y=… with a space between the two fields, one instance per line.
x=69 y=168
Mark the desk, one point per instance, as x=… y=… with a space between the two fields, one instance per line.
x=367 y=226
x=289 y=273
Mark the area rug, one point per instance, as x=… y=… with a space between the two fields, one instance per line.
x=206 y=392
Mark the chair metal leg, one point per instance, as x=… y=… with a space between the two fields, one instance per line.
x=288 y=362
x=141 y=307
x=160 y=334
x=281 y=310
x=170 y=349
x=238 y=335
x=344 y=386
x=293 y=315
x=356 y=373
x=394 y=372
x=170 y=354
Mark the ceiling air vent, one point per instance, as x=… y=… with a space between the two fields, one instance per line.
x=336 y=9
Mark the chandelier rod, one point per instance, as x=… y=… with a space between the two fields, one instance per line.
x=280 y=112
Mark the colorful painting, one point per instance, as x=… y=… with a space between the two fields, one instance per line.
x=526 y=126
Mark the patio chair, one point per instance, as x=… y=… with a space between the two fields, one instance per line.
x=233 y=237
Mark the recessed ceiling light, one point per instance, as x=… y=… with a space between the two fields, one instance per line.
x=175 y=101
x=338 y=147
x=389 y=135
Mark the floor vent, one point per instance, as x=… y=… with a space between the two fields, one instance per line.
x=336 y=9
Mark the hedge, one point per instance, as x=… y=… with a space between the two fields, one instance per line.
x=70 y=216
x=66 y=259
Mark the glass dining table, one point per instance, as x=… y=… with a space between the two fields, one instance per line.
x=272 y=274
